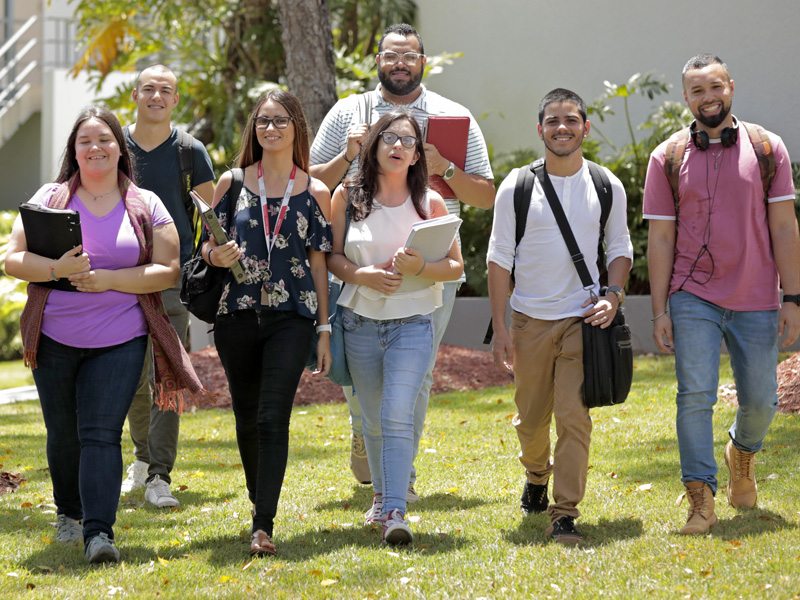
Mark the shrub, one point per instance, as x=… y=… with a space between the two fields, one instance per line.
x=13 y=293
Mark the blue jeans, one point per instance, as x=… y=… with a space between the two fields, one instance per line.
x=85 y=394
x=752 y=340
x=264 y=353
x=441 y=317
x=388 y=360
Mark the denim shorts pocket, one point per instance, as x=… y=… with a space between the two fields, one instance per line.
x=350 y=320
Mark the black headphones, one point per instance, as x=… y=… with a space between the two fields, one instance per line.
x=727 y=138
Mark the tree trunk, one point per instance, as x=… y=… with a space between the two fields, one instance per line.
x=310 y=64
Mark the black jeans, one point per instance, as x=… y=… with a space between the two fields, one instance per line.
x=85 y=394
x=264 y=353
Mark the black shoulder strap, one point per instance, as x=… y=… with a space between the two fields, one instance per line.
x=563 y=225
x=604 y=193
x=237 y=181
x=186 y=166
x=523 y=189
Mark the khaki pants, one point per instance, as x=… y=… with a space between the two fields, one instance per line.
x=548 y=373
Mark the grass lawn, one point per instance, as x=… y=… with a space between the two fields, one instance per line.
x=470 y=539
x=14 y=374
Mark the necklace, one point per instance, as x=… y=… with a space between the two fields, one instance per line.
x=717 y=157
x=95 y=198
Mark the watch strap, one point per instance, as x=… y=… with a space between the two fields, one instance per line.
x=793 y=298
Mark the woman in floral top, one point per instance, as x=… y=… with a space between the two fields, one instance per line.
x=265 y=324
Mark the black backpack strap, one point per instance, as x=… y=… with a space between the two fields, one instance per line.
x=523 y=189
x=563 y=225
x=604 y=193
x=237 y=181
x=186 y=168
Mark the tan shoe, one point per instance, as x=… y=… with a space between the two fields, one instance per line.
x=358 y=460
x=742 y=488
x=701 y=508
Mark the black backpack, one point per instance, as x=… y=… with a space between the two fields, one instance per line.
x=522 y=196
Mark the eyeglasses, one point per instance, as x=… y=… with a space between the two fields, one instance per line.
x=279 y=122
x=390 y=137
x=390 y=57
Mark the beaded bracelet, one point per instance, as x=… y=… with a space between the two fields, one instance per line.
x=53 y=272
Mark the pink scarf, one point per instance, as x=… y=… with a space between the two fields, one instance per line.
x=176 y=382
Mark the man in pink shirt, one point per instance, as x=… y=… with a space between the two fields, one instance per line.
x=719 y=250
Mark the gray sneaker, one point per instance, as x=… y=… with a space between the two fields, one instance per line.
x=68 y=530
x=157 y=492
x=101 y=549
x=411 y=495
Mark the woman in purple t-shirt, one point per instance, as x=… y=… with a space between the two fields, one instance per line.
x=87 y=347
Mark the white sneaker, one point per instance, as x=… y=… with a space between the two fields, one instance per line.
x=137 y=475
x=101 y=550
x=395 y=529
x=68 y=530
x=373 y=515
x=412 y=495
x=159 y=494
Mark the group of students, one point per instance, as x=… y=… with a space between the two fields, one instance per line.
x=288 y=233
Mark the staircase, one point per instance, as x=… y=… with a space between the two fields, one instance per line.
x=20 y=78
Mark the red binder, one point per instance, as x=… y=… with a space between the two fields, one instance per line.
x=449 y=135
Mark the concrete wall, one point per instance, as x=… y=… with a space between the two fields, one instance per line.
x=20 y=163
x=515 y=51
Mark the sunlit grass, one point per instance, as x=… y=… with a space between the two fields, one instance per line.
x=470 y=539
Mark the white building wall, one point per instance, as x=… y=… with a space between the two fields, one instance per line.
x=515 y=51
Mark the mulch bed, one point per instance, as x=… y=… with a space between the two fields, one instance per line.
x=457 y=369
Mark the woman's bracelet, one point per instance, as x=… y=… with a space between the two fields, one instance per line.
x=208 y=256
x=657 y=316
x=344 y=156
x=326 y=327
x=424 y=264
x=53 y=272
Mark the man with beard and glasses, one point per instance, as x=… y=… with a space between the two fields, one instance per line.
x=334 y=154
x=723 y=239
x=544 y=348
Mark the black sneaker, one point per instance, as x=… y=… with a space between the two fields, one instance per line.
x=563 y=531
x=534 y=498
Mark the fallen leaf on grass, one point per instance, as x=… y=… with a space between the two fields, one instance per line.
x=645 y=487
x=223 y=579
x=183 y=488
x=773 y=476
x=316 y=573
x=46 y=540
x=163 y=561
x=44 y=568
x=404 y=580
x=327 y=582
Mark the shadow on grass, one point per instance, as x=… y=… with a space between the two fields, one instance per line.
x=749 y=523
x=531 y=531
x=439 y=502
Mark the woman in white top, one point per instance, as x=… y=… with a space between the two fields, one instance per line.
x=389 y=296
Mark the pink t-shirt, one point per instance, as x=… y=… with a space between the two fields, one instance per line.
x=744 y=273
x=97 y=320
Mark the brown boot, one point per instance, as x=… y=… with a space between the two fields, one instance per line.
x=701 y=508
x=742 y=489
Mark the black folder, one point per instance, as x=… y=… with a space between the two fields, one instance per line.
x=50 y=232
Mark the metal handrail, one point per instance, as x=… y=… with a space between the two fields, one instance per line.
x=14 y=38
x=17 y=80
x=17 y=58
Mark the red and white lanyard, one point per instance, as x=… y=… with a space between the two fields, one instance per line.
x=262 y=192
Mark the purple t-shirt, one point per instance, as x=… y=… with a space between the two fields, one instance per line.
x=744 y=273
x=100 y=319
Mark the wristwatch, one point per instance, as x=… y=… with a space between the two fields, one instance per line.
x=620 y=294
x=791 y=298
x=449 y=172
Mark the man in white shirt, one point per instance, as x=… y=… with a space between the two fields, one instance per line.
x=544 y=349
x=334 y=155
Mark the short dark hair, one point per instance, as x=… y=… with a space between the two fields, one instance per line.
x=250 y=151
x=157 y=67
x=403 y=29
x=364 y=184
x=701 y=61
x=559 y=95
x=69 y=164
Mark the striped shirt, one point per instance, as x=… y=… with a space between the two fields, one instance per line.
x=331 y=139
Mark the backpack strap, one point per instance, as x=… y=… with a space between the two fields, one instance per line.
x=673 y=159
x=759 y=138
x=237 y=181
x=604 y=193
x=186 y=168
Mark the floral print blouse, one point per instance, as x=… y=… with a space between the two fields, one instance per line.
x=288 y=277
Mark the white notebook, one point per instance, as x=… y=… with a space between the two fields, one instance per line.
x=432 y=238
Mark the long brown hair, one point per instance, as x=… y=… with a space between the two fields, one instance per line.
x=364 y=184
x=250 y=151
x=69 y=164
